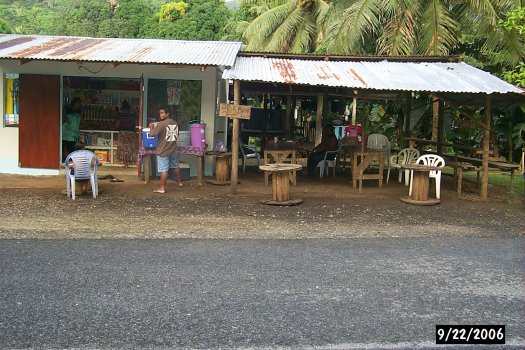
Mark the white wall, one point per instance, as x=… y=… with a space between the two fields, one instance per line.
x=9 y=135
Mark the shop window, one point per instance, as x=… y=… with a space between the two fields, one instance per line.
x=11 y=105
x=182 y=96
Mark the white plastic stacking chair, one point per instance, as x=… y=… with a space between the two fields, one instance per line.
x=380 y=142
x=326 y=164
x=249 y=151
x=83 y=167
x=405 y=156
x=430 y=160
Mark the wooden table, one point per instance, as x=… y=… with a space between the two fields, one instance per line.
x=420 y=184
x=222 y=168
x=281 y=183
x=361 y=160
x=198 y=152
x=280 y=156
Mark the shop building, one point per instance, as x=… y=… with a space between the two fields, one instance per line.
x=121 y=84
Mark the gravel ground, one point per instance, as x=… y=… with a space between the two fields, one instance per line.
x=35 y=208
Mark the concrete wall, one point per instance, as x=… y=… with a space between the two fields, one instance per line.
x=9 y=135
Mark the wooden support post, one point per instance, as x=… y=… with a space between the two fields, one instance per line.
x=406 y=123
x=363 y=127
x=235 y=138
x=319 y=120
x=485 y=154
x=354 y=109
x=288 y=124
x=141 y=118
x=435 y=118
x=441 y=127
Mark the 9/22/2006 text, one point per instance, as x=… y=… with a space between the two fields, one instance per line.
x=470 y=334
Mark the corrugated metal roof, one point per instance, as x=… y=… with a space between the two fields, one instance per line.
x=60 y=48
x=455 y=77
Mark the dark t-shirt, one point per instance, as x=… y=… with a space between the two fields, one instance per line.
x=168 y=131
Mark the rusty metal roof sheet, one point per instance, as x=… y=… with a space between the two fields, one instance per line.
x=450 y=77
x=60 y=48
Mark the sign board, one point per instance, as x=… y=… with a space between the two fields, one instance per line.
x=233 y=111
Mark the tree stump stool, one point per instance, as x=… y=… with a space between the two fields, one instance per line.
x=222 y=168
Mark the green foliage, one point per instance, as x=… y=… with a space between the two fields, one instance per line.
x=172 y=11
x=204 y=20
x=516 y=76
x=117 y=18
x=4 y=27
x=127 y=21
x=295 y=26
x=518 y=135
x=515 y=23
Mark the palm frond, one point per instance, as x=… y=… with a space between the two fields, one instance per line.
x=504 y=47
x=398 y=38
x=298 y=23
x=491 y=10
x=303 y=41
x=439 y=30
x=320 y=14
x=348 y=31
x=392 y=8
x=258 y=32
x=269 y=3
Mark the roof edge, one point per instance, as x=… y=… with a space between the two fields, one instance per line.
x=453 y=58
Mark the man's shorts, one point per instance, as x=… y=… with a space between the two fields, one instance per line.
x=166 y=163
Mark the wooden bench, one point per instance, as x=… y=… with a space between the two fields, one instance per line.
x=461 y=164
x=459 y=168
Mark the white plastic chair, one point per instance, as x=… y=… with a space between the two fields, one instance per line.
x=249 y=151
x=405 y=156
x=380 y=142
x=326 y=163
x=81 y=165
x=430 y=160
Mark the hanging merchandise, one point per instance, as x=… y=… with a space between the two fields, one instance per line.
x=11 y=99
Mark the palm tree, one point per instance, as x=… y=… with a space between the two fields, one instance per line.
x=421 y=27
x=294 y=26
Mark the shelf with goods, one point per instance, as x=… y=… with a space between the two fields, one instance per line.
x=103 y=143
x=103 y=109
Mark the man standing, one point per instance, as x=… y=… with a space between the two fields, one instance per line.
x=167 y=131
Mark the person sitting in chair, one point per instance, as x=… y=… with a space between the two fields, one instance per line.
x=328 y=143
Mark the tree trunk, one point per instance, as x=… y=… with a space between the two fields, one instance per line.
x=485 y=154
x=435 y=118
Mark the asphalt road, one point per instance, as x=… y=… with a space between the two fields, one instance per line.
x=322 y=294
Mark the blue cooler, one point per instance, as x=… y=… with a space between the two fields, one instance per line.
x=148 y=140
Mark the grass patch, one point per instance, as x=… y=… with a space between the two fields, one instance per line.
x=500 y=179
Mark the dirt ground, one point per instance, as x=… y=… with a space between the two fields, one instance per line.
x=35 y=207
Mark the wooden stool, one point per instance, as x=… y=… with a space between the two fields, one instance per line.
x=222 y=168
